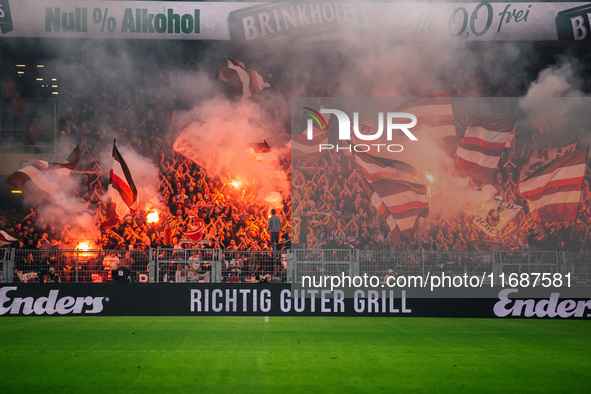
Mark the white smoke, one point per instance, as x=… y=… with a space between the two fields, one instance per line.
x=556 y=106
x=562 y=80
x=351 y=66
x=227 y=131
x=144 y=174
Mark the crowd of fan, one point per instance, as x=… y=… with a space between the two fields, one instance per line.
x=142 y=118
x=232 y=219
x=338 y=214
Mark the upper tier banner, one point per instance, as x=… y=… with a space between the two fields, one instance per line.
x=244 y=21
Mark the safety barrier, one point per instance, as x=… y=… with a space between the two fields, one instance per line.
x=245 y=266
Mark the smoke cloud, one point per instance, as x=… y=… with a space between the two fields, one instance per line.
x=226 y=146
x=352 y=65
x=556 y=106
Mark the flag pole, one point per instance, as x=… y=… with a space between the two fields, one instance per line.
x=110 y=211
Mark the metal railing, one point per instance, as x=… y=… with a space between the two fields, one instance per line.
x=242 y=266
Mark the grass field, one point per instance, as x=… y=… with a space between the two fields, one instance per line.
x=292 y=354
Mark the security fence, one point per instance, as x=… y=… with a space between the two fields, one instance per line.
x=242 y=266
x=382 y=263
x=321 y=262
x=580 y=266
x=4 y=265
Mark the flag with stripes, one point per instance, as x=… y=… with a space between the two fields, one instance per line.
x=435 y=119
x=400 y=204
x=481 y=147
x=308 y=150
x=554 y=191
x=243 y=81
x=435 y=123
x=383 y=211
x=123 y=195
x=43 y=175
x=376 y=168
x=406 y=201
x=399 y=200
x=6 y=238
x=539 y=158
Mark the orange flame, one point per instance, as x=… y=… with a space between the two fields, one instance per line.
x=153 y=217
x=83 y=246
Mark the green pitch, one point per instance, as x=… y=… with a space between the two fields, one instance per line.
x=298 y=355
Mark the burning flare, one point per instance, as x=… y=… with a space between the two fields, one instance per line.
x=153 y=217
x=83 y=246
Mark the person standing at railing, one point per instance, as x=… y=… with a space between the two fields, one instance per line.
x=110 y=262
x=181 y=274
x=35 y=131
x=532 y=240
x=52 y=276
x=274 y=227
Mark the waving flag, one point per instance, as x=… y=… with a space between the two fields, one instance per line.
x=406 y=201
x=6 y=238
x=480 y=150
x=376 y=168
x=308 y=150
x=541 y=157
x=243 y=81
x=399 y=200
x=495 y=215
x=435 y=119
x=554 y=191
x=435 y=123
x=44 y=176
x=123 y=196
x=195 y=232
x=400 y=204
x=383 y=211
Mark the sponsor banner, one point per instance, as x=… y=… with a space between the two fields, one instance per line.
x=283 y=300
x=5 y=17
x=119 y=19
x=479 y=21
x=276 y=20
x=251 y=21
x=573 y=24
